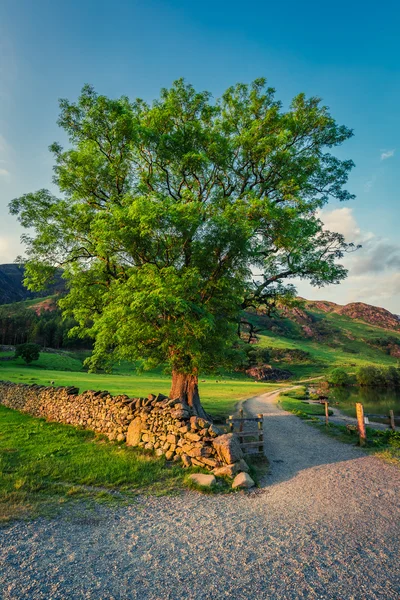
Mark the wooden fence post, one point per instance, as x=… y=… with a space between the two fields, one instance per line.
x=392 y=423
x=361 y=423
x=261 y=433
x=326 y=414
x=241 y=425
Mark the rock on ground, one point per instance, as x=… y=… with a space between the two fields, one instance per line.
x=203 y=479
x=242 y=481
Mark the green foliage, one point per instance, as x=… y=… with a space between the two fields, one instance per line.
x=26 y=322
x=339 y=377
x=167 y=208
x=28 y=352
x=371 y=376
x=256 y=356
x=289 y=355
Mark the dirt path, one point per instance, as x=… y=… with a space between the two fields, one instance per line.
x=326 y=525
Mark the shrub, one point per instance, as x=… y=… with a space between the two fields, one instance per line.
x=339 y=377
x=257 y=357
x=28 y=352
x=373 y=376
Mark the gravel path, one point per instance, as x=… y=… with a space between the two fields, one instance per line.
x=326 y=525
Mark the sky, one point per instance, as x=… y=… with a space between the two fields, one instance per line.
x=347 y=53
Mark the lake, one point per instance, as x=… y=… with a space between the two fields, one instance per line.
x=375 y=400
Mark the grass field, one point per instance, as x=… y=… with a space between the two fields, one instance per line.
x=219 y=394
x=43 y=465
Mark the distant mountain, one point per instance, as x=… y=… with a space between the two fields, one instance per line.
x=374 y=315
x=12 y=288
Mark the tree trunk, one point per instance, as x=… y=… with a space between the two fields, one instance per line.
x=185 y=387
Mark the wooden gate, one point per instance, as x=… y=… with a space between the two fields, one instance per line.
x=255 y=435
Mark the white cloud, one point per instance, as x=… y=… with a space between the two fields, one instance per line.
x=378 y=290
x=385 y=154
x=10 y=248
x=4 y=172
x=373 y=270
x=342 y=221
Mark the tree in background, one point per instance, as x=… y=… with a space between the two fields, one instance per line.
x=175 y=216
x=28 y=352
x=339 y=377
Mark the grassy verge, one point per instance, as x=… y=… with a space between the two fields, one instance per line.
x=383 y=444
x=296 y=402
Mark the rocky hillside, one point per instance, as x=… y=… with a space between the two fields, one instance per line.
x=12 y=288
x=374 y=315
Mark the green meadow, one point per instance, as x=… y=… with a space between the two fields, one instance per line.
x=219 y=393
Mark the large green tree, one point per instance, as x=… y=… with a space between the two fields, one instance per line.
x=173 y=217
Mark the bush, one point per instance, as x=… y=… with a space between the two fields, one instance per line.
x=28 y=352
x=371 y=376
x=257 y=357
x=339 y=377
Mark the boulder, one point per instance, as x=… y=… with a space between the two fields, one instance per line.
x=134 y=432
x=231 y=470
x=228 y=448
x=268 y=373
x=202 y=479
x=242 y=481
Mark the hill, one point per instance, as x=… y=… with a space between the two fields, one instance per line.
x=12 y=288
x=313 y=337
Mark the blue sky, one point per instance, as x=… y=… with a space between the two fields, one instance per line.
x=347 y=53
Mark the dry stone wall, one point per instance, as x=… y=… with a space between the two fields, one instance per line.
x=156 y=423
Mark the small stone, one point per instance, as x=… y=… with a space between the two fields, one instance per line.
x=187 y=461
x=225 y=471
x=242 y=481
x=159 y=452
x=193 y=437
x=134 y=432
x=202 y=479
x=169 y=455
x=120 y=437
x=197 y=462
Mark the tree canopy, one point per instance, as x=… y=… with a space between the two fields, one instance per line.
x=175 y=216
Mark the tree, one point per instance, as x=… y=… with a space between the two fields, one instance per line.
x=370 y=376
x=28 y=352
x=339 y=377
x=174 y=217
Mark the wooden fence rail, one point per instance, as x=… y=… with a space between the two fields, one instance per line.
x=251 y=433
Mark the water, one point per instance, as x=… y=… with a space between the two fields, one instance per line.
x=375 y=400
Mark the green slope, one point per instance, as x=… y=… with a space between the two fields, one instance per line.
x=337 y=340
